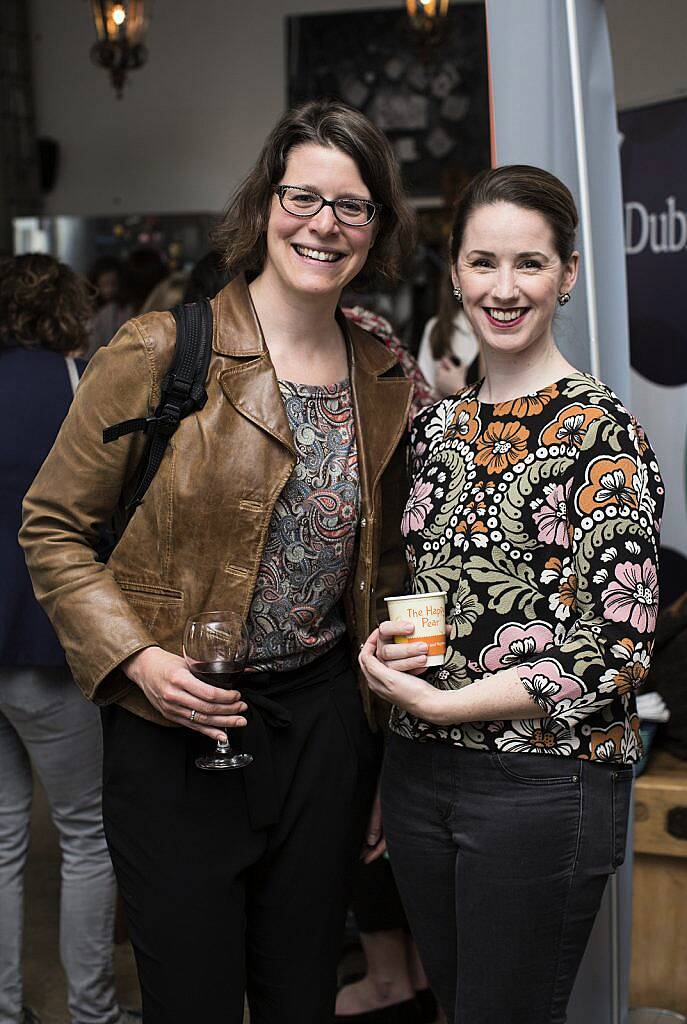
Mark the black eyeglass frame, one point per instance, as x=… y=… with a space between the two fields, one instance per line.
x=279 y=191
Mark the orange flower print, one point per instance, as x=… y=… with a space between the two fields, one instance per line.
x=606 y=744
x=637 y=436
x=483 y=490
x=502 y=445
x=609 y=482
x=471 y=531
x=632 y=671
x=570 y=426
x=564 y=601
x=465 y=423
x=529 y=405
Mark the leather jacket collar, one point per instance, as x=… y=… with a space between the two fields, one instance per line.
x=381 y=403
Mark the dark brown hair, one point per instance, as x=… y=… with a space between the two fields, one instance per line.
x=529 y=187
x=241 y=235
x=442 y=329
x=43 y=304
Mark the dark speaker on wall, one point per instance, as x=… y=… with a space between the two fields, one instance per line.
x=48 y=163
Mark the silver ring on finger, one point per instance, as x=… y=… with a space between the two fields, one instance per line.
x=193 y=715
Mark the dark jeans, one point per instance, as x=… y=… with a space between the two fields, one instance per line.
x=501 y=860
x=217 y=908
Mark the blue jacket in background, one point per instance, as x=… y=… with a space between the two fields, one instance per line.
x=35 y=394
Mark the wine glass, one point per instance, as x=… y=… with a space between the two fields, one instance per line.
x=216 y=650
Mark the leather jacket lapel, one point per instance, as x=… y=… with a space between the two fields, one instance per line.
x=381 y=403
x=251 y=387
x=381 y=406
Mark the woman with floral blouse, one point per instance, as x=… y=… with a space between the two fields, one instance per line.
x=535 y=504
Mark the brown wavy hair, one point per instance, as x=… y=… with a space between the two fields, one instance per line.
x=44 y=304
x=241 y=236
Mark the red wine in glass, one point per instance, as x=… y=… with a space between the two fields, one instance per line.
x=216 y=651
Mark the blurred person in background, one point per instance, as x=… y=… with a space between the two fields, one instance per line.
x=112 y=309
x=106 y=277
x=46 y=726
x=167 y=294
x=209 y=276
x=143 y=271
x=448 y=355
x=141 y=274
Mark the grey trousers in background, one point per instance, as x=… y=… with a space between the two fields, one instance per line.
x=45 y=721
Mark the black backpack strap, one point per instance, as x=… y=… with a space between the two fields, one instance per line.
x=182 y=392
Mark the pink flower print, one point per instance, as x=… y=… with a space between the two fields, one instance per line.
x=552 y=517
x=515 y=643
x=418 y=505
x=547 y=683
x=633 y=595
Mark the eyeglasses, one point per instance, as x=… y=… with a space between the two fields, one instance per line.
x=300 y=202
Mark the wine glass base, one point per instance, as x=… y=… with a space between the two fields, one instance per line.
x=210 y=762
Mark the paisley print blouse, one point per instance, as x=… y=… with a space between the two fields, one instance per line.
x=295 y=615
x=540 y=517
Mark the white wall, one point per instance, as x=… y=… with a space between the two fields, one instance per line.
x=192 y=121
x=648 y=40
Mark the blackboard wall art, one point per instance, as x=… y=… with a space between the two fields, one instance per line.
x=429 y=97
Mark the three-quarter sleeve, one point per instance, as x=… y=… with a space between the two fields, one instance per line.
x=600 y=579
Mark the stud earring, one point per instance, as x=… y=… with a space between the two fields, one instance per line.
x=563 y=298
x=458 y=293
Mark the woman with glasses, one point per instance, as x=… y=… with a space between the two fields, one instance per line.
x=279 y=500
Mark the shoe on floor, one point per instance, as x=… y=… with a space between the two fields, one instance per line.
x=29 y=1016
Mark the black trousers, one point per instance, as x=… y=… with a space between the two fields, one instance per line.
x=501 y=860
x=217 y=908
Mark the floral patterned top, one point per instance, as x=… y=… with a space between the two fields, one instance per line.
x=296 y=614
x=540 y=517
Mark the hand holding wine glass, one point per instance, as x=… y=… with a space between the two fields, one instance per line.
x=167 y=683
x=216 y=651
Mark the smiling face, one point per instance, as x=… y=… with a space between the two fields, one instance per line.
x=317 y=256
x=511 y=276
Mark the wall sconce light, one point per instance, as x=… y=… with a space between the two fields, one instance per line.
x=121 y=27
x=426 y=15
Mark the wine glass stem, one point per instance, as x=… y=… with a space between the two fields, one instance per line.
x=224 y=748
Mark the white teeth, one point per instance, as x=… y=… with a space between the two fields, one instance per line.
x=505 y=315
x=318 y=254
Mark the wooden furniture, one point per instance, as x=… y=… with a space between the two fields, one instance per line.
x=659 y=915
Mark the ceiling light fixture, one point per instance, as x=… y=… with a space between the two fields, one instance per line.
x=121 y=27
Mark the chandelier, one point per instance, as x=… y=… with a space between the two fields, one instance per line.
x=121 y=27
x=426 y=15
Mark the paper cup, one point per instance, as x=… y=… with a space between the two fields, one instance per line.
x=428 y=614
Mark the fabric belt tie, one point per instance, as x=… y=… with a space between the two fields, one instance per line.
x=264 y=711
x=260 y=778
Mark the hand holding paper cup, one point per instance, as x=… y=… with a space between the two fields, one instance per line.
x=427 y=612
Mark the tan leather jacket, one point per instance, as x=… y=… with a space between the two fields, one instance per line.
x=197 y=539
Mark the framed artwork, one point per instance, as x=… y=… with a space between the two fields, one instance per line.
x=430 y=96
